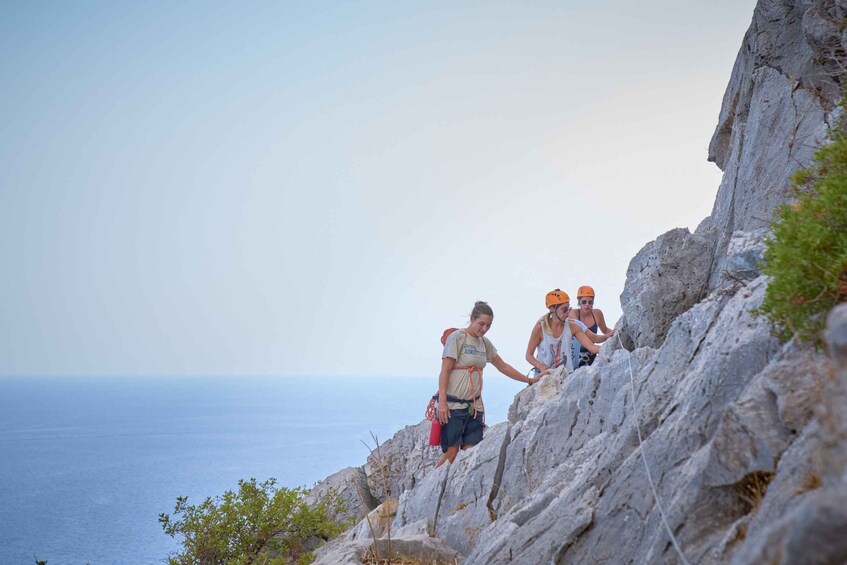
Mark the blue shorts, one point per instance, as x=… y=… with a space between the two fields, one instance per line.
x=461 y=429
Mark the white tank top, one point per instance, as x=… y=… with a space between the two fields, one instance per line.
x=555 y=351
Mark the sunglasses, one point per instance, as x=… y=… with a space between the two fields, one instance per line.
x=584 y=301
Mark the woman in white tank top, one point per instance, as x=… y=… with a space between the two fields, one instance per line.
x=549 y=344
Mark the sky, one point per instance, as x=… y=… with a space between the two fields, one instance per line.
x=303 y=189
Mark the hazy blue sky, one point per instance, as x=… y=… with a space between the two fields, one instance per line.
x=315 y=189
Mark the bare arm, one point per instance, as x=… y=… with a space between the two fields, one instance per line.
x=580 y=336
x=443 y=380
x=534 y=340
x=513 y=373
x=596 y=338
x=601 y=323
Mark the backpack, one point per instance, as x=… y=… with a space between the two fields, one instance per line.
x=446 y=334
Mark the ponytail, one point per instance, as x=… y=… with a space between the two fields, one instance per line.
x=480 y=308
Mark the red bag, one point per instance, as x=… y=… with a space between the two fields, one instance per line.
x=435 y=432
x=431 y=414
x=435 y=427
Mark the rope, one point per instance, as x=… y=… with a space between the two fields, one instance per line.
x=475 y=394
x=431 y=412
x=644 y=460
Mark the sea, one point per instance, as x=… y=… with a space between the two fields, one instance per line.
x=87 y=464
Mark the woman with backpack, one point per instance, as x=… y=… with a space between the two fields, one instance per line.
x=593 y=319
x=549 y=344
x=460 y=408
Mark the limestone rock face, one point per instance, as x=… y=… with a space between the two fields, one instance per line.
x=833 y=412
x=583 y=450
x=377 y=524
x=400 y=462
x=421 y=548
x=836 y=334
x=696 y=436
x=547 y=388
x=803 y=517
x=351 y=484
x=455 y=501
x=665 y=278
x=775 y=113
x=742 y=260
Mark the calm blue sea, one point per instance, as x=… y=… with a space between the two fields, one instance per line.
x=87 y=464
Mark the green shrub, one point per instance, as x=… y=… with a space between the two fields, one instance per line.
x=258 y=523
x=806 y=256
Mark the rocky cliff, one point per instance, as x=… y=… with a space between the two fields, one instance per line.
x=695 y=438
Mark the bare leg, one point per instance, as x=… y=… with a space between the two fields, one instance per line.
x=448 y=455
x=451 y=453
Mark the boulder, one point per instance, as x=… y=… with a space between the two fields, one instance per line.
x=665 y=278
x=377 y=524
x=351 y=485
x=550 y=386
x=401 y=462
x=742 y=260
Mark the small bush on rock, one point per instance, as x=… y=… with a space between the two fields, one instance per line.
x=806 y=256
x=258 y=523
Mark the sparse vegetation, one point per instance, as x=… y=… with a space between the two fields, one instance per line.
x=811 y=481
x=806 y=256
x=753 y=487
x=258 y=523
x=401 y=561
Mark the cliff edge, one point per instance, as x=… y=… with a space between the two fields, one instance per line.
x=696 y=437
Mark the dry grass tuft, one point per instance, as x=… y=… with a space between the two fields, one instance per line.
x=753 y=487
x=370 y=560
x=741 y=532
x=811 y=481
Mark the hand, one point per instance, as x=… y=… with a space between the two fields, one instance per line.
x=546 y=371
x=611 y=332
x=443 y=412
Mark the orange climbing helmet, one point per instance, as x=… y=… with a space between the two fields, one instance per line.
x=556 y=297
x=585 y=290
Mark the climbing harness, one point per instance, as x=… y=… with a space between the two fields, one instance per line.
x=432 y=411
x=644 y=460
